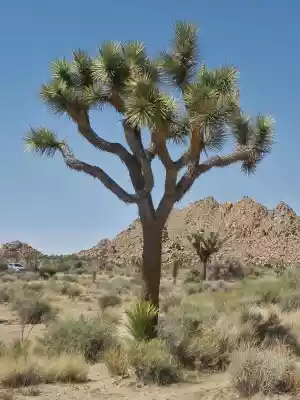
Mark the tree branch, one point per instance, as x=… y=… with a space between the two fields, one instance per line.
x=82 y=120
x=97 y=173
x=133 y=138
x=195 y=170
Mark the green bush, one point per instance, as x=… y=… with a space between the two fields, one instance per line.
x=109 y=300
x=33 y=310
x=87 y=336
x=140 y=320
x=71 y=289
x=153 y=363
x=193 y=276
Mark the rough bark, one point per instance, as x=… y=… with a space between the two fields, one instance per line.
x=151 y=269
x=204 y=276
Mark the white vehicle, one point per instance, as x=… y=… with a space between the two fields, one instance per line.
x=16 y=267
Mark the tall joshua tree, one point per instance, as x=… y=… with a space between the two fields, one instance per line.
x=205 y=112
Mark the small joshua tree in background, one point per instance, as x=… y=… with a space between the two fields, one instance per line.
x=175 y=268
x=206 y=244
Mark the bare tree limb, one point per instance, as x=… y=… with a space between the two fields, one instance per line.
x=195 y=170
x=97 y=173
x=82 y=120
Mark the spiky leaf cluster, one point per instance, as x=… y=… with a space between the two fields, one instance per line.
x=122 y=75
x=206 y=244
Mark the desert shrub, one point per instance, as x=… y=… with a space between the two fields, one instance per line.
x=170 y=301
x=69 y=278
x=27 y=371
x=266 y=330
x=140 y=320
x=262 y=371
x=65 y=368
x=109 y=300
x=87 y=336
x=211 y=349
x=153 y=363
x=177 y=338
x=71 y=289
x=33 y=310
x=290 y=302
x=193 y=288
x=116 y=361
x=6 y=294
x=291 y=278
x=34 y=286
x=231 y=269
x=193 y=276
x=178 y=329
x=269 y=296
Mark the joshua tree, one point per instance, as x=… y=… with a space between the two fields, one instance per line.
x=203 y=113
x=205 y=244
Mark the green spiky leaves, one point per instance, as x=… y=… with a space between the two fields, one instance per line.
x=205 y=243
x=179 y=65
x=257 y=133
x=42 y=141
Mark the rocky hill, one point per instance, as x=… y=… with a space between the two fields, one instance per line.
x=17 y=250
x=256 y=235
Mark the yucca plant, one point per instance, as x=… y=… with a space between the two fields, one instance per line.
x=140 y=320
x=205 y=112
x=206 y=244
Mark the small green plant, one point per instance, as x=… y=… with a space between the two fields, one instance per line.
x=140 y=320
x=153 y=363
x=109 y=300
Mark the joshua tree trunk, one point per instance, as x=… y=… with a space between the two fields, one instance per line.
x=151 y=267
x=204 y=270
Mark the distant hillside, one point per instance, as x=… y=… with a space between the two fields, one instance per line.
x=257 y=235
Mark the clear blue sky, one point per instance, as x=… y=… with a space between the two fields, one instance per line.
x=57 y=210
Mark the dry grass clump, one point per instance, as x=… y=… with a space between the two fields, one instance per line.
x=6 y=293
x=266 y=329
x=109 y=300
x=153 y=363
x=265 y=371
x=27 y=371
x=87 y=336
x=116 y=361
x=194 y=338
x=290 y=302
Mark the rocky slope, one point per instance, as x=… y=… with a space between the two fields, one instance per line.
x=256 y=235
x=17 y=250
